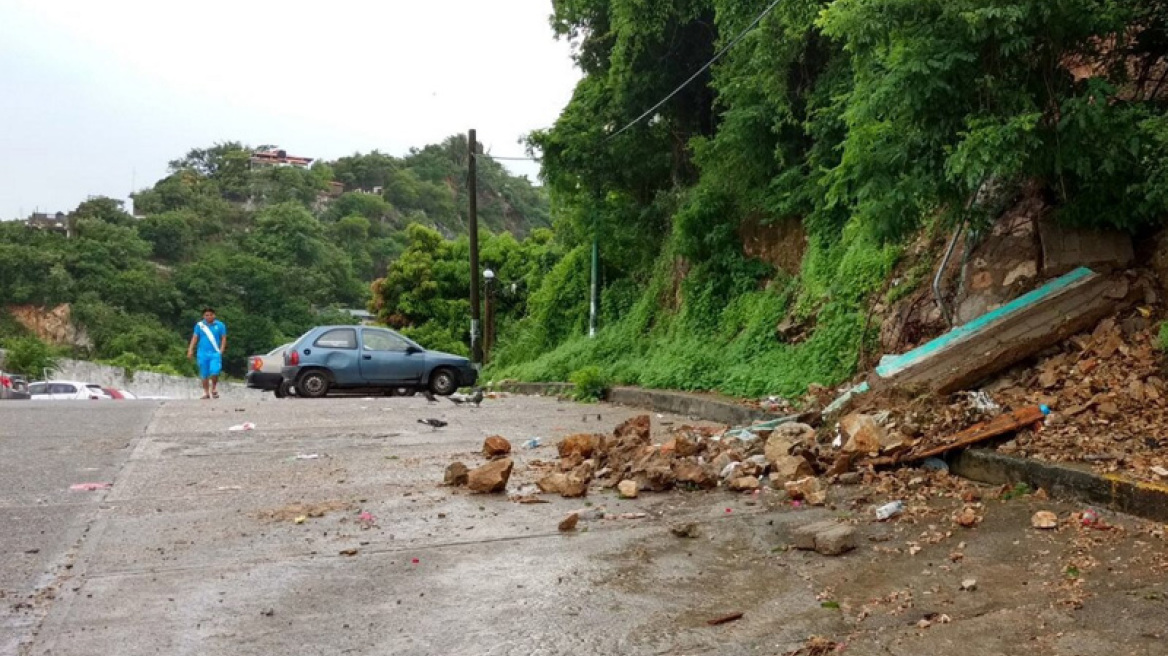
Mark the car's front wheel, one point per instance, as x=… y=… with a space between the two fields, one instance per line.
x=284 y=389
x=313 y=385
x=443 y=382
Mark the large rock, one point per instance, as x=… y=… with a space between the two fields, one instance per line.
x=581 y=445
x=496 y=446
x=691 y=473
x=491 y=477
x=744 y=484
x=862 y=434
x=638 y=428
x=786 y=437
x=789 y=468
x=628 y=489
x=807 y=489
x=456 y=474
x=565 y=485
x=827 y=538
x=685 y=447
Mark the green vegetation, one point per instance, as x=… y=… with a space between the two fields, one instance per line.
x=863 y=120
x=28 y=356
x=590 y=384
x=274 y=250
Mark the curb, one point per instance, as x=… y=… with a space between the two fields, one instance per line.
x=1147 y=500
x=679 y=403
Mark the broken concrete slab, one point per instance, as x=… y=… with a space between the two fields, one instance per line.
x=827 y=538
x=1000 y=338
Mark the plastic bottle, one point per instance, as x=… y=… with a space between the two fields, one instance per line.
x=889 y=510
x=532 y=443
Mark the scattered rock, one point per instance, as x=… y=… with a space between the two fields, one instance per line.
x=968 y=517
x=826 y=538
x=637 y=428
x=628 y=489
x=969 y=585
x=806 y=489
x=691 y=473
x=744 y=484
x=861 y=433
x=569 y=523
x=565 y=485
x=496 y=446
x=581 y=444
x=785 y=438
x=850 y=478
x=1044 y=519
x=491 y=477
x=789 y=468
x=686 y=530
x=456 y=474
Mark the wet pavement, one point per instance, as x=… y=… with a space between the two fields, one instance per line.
x=220 y=542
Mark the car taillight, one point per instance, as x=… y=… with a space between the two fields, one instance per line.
x=257 y=364
x=5 y=381
x=293 y=359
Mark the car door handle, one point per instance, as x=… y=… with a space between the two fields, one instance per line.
x=367 y=357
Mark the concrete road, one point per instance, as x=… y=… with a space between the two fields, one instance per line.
x=219 y=542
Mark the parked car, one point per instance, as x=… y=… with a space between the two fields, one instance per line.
x=66 y=390
x=366 y=358
x=117 y=394
x=13 y=387
x=264 y=372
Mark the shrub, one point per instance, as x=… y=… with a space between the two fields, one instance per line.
x=590 y=384
x=29 y=356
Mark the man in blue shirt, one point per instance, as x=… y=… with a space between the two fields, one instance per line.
x=210 y=337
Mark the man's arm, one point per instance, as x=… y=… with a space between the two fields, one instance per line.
x=191 y=347
x=223 y=340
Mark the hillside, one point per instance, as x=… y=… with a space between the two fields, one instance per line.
x=756 y=229
x=274 y=246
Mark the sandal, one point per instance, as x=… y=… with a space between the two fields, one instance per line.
x=215 y=394
x=204 y=397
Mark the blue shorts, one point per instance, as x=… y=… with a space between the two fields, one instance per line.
x=210 y=364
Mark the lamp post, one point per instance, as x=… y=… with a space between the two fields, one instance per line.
x=489 y=318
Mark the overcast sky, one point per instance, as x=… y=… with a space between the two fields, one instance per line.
x=97 y=95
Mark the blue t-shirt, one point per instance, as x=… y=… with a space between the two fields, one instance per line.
x=218 y=329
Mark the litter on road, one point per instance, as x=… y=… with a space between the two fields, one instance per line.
x=90 y=487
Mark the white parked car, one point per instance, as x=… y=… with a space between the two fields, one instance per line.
x=66 y=390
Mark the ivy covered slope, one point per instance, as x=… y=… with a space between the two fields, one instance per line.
x=857 y=123
x=274 y=249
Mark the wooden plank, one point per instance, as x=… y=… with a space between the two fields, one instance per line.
x=1000 y=425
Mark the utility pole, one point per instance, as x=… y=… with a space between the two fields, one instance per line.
x=476 y=347
x=595 y=295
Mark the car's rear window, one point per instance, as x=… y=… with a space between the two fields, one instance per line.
x=38 y=389
x=341 y=338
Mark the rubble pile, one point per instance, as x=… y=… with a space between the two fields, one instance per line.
x=1108 y=397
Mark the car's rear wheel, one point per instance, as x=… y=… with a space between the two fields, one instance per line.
x=443 y=382
x=313 y=385
x=285 y=389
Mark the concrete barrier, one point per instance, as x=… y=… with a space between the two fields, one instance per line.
x=141 y=383
x=679 y=403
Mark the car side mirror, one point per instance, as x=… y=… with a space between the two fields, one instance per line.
x=411 y=349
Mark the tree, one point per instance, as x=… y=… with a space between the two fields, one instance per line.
x=28 y=356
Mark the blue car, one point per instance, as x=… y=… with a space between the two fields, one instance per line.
x=365 y=359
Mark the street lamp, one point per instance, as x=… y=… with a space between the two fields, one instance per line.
x=489 y=319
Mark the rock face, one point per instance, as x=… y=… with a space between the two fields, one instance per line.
x=496 y=446
x=491 y=477
x=628 y=489
x=581 y=445
x=456 y=474
x=862 y=434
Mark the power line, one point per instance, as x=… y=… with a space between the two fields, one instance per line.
x=523 y=159
x=701 y=70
